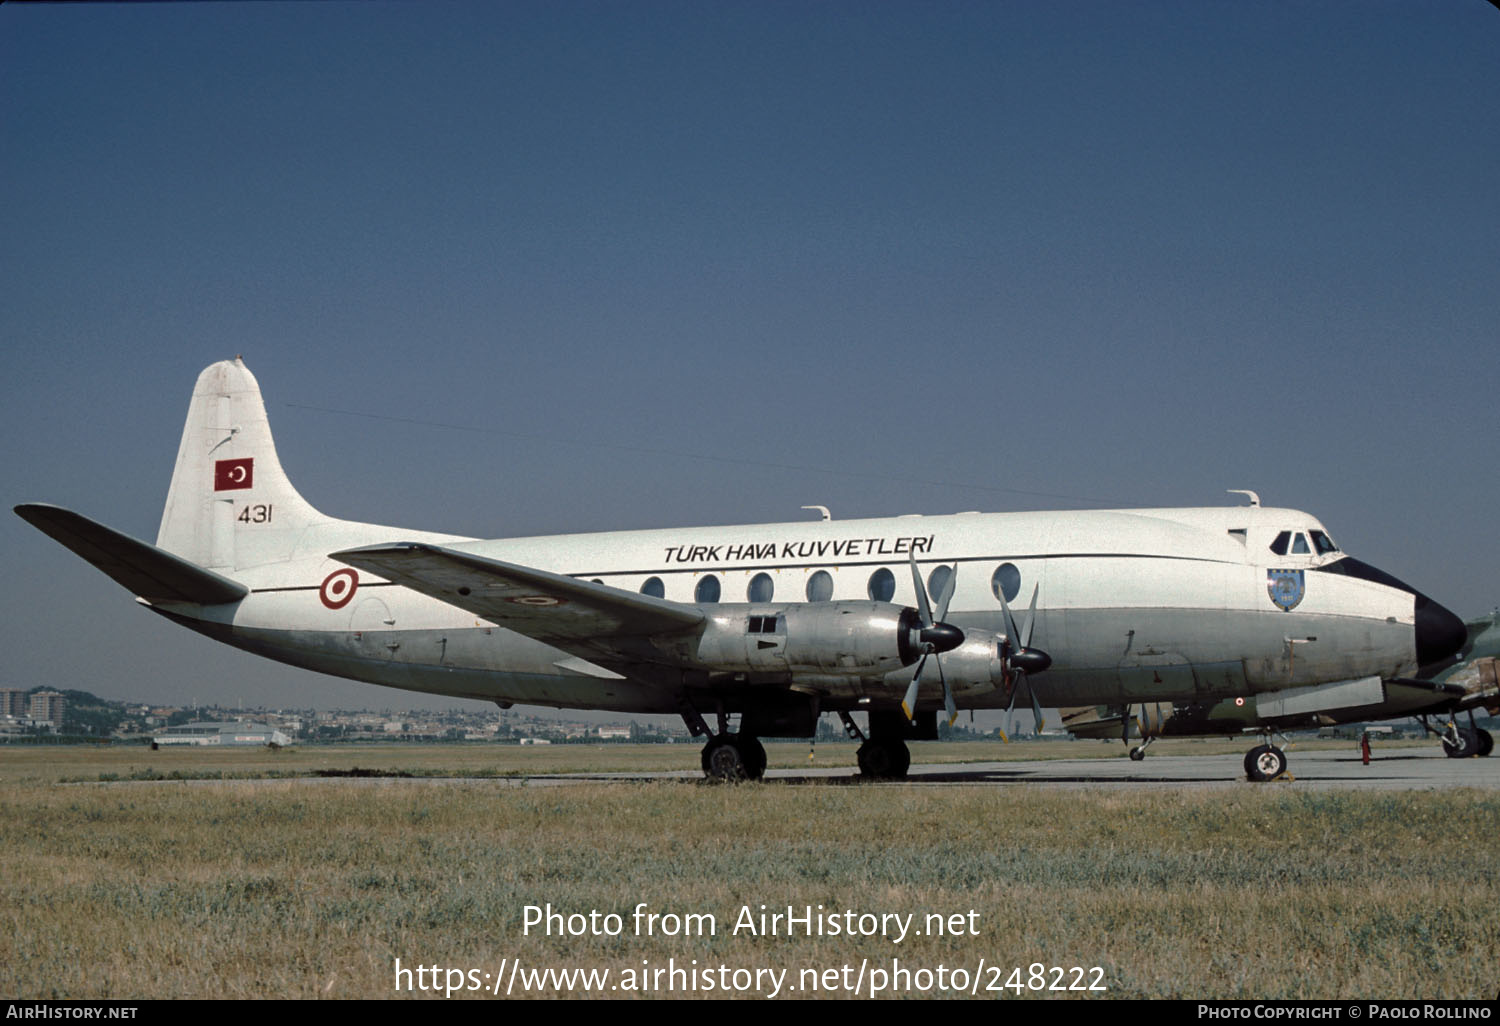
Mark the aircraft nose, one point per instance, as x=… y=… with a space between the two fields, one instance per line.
x=1440 y=634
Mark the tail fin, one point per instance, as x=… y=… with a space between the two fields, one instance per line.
x=230 y=505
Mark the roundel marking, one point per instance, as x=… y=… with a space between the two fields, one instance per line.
x=338 y=588
x=536 y=600
x=1239 y=701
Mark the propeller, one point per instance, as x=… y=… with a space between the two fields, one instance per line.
x=935 y=638
x=1022 y=659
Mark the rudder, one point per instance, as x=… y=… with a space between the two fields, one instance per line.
x=230 y=505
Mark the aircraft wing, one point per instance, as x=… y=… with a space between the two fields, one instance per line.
x=577 y=616
x=1095 y=722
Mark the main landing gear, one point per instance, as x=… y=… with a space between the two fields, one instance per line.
x=886 y=759
x=730 y=757
x=1462 y=742
x=884 y=755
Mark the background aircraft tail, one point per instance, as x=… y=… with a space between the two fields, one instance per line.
x=230 y=504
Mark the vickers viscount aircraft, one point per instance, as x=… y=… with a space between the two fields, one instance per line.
x=773 y=623
x=1471 y=684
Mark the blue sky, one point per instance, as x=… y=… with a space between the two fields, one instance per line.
x=669 y=264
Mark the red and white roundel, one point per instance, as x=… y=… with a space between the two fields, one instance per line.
x=535 y=600
x=1239 y=701
x=338 y=588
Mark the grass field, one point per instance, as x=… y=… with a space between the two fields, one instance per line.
x=298 y=887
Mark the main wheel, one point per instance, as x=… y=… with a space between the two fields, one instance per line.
x=753 y=754
x=884 y=760
x=722 y=759
x=1466 y=745
x=1265 y=762
x=1137 y=754
x=1486 y=743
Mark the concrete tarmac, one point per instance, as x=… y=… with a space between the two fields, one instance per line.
x=1402 y=769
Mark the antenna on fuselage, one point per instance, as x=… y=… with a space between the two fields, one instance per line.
x=821 y=509
x=1254 y=499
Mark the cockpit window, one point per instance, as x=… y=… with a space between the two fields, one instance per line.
x=1322 y=543
x=1299 y=547
x=1279 y=546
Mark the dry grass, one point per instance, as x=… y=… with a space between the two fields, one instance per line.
x=302 y=888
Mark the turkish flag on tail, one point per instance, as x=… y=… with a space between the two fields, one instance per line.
x=231 y=474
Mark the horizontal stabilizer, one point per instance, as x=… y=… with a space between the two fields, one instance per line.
x=549 y=607
x=145 y=570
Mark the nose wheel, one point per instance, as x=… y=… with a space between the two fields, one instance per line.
x=1264 y=762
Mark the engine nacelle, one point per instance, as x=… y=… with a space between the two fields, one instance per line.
x=854 y=638
x=972 y=668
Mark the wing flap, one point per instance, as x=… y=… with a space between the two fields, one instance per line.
x=145 y=570
x=550 y=607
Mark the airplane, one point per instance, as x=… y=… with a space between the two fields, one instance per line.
x=1469 y=684
x=773 y=623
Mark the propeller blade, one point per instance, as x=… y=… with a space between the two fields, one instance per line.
x=916 y=579
x=1010 y=624
x=1030 y=618
x=948 y=706
x=909 y=703
x=935 y=636
x=1023 y=658
x=945 y=596
x=1036 y=708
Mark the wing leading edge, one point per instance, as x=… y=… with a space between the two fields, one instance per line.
x=577 y=616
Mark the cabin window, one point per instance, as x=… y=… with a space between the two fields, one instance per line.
x=763 y=625
x=1322 y=542
x=761 y=588
x=820 y=587
x=1299 y=546
x=1283 y=540
x=707 y=590
x=882 y=585
x=652 y=586
x=937 y=581
x=1006 y=581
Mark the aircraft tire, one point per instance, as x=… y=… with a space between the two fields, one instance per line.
x=754 y=755
x=1137 y=754
x=1486 y=743
x=723 y=759
x=1264 y=762
x=884 y=760
x=1468 y=744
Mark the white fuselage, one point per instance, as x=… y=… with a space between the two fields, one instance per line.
x=1169 y=604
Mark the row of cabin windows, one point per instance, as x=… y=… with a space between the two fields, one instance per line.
x=1297 y=544
x=881 y=587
